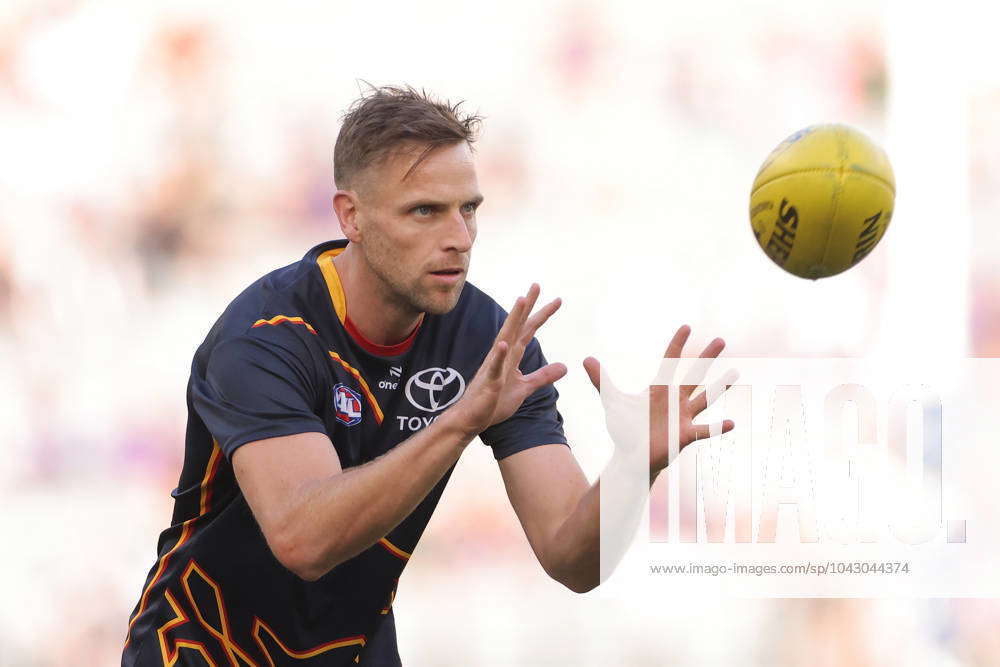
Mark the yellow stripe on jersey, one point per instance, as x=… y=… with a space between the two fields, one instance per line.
x=203 y=506
x=258 y=625
x=394 y=550
x=332 y=279
x=278 y=319
x=180 y=618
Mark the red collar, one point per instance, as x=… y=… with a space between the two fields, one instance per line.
x=381 y=350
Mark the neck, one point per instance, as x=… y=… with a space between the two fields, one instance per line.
x=370 y=306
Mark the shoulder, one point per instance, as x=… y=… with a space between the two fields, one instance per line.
x=271 y=300
x=271 y=313
x=292 y=298
x=265 y=359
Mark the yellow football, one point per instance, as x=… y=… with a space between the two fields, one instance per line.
x=822 y=200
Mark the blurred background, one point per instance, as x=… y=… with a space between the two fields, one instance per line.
x=155 y=158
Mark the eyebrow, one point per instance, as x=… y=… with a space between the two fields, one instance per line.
x=423 y=201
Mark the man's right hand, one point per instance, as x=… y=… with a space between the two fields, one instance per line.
x=499 y=387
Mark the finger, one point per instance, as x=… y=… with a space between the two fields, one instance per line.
x=544 y=376
x=517 y=341
x=676 y=345
x=528 y=303
x=593 y=368
x=702 y=431
x=713 y=392
x=511 y=325
x=700 y=369
x=713 y=349
x=496 y=363
x=531 y=297
x=511 y=329
x=538 y=319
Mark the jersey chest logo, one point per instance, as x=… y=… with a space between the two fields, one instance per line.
x=434 y=389
x=347 y=403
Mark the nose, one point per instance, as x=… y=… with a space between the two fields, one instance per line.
x=459 y=234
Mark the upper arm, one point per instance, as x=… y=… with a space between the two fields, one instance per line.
x=273 y=474
x=544 y=485
x=259 y=399
x=255 y=389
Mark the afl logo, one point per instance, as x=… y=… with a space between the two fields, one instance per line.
x=347 y=402
x=434 y=389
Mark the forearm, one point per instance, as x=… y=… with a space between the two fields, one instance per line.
x=575 y=548
x=335 y=518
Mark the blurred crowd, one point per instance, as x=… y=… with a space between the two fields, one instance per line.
x=141 y=188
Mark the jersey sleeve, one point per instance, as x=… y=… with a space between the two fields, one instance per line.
x=256 y=388
x=536 y=422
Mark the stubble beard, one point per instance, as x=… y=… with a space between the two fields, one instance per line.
x=385 y=264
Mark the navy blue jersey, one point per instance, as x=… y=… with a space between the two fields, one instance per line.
x=285 y=359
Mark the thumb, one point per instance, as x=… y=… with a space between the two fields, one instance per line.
x=593 y=368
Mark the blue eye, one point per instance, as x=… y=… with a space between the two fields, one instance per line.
x=423 y=210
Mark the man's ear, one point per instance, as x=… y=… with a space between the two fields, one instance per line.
x=345 y=205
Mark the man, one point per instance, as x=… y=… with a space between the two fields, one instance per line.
x=330 y=402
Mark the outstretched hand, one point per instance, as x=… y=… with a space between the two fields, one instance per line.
x=689 y=407
x=499 y=387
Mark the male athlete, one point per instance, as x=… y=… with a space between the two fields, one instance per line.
x=330 y=402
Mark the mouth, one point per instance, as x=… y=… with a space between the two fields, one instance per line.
x=448 y=276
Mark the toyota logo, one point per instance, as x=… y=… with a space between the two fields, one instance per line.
x=434 y=389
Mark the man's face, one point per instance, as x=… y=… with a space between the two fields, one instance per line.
x=417 y=232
